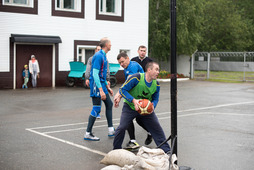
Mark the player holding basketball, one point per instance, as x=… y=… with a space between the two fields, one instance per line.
x=130 y=68
x=141 y=86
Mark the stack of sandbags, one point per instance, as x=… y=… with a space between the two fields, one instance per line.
x=146 y=159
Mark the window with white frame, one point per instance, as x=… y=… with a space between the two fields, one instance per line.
x=84 y=53
x=68 y=5
x=111 y=7
x=125 y=51
x=27 y=3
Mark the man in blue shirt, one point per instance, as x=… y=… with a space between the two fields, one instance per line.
x=141 y=86
x=100 y=90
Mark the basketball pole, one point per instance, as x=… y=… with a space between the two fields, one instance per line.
x=173 y=84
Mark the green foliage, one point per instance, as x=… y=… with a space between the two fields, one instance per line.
x=206 y=25
x=189 y=19
x=223 y=28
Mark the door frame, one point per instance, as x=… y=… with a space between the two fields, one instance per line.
x=53 y=61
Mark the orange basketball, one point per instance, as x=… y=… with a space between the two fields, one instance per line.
x=146 y=107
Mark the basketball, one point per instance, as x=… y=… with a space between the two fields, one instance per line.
x=146 y=107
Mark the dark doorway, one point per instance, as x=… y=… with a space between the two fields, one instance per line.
x=43 y=54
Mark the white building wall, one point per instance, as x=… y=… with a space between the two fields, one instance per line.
x=123 y=35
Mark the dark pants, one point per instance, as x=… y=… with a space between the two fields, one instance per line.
x=131 y=128
x=97 y=102
x=151 y=123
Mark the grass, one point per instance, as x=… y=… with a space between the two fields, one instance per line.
x=225 y=76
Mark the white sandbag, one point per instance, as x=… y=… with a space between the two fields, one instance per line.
x=156 y=158
x=112 y=167
x=173 y=166
x=120 y=157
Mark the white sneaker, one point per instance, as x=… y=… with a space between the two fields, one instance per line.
x=91 y=137
x=111 y=133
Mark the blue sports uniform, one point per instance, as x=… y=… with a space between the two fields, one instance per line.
x=150 y=121
x=97 y=80
x=99 y=63
x=132 y=68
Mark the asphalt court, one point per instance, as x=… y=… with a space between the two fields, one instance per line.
x=215 y=127
x=220 y=113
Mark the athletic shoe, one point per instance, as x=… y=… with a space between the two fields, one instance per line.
x=132 y=145
x=111 y=133
x=91 y=137
x=149 y=139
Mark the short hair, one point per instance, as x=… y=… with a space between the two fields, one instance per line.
x=97 y=46
x=124 y=55
x=150 y=65
x=141 y=46
x=103 y=42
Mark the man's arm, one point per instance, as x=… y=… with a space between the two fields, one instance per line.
x=155 y=96
x=130 y=83
x=88 y=68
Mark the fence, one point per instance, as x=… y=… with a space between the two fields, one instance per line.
x=233 y=66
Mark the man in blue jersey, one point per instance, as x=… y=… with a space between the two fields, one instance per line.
x=88 y=69
x=100 y=90
x=130 y=68
x=141 y=86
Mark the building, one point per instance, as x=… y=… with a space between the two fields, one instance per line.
x=60 y=31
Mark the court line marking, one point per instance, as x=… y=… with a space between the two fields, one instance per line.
x=188 y=110
x=68 y=142
x=102 y=153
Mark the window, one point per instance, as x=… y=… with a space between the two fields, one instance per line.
x=19 y=6
x=112 y=10
x=84 y=49
x=67 y=4
x=110 y=7
x=68 y=8
x=85 y=53
x=26 y=3
x=125 y=51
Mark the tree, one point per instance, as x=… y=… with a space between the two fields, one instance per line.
x=224 y=28
x=189 y=19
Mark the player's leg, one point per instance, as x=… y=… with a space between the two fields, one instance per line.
x=126 y=118
x=131 y=131
x=152 y=124
x=149 y=137
x=95 y=111
x=108 y=104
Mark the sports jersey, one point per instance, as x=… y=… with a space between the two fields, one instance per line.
x=99 y=64
x=132 y=68
x=150 y=90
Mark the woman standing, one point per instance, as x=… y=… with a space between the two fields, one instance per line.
x=34 y=69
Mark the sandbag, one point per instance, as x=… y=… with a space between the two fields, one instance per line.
x=120 y=157
x=156 y=158
x=173 y=166
x=112 y=167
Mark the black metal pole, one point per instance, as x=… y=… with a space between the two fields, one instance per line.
x=173 y=76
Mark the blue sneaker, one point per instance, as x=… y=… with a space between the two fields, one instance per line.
x=91 y=137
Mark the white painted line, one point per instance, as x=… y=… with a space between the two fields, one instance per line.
x=217 y=106
x=72 y=124
x=68 y=142
x=168 y=80
x=83 y=128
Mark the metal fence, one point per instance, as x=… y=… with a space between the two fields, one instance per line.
x=233 y=66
